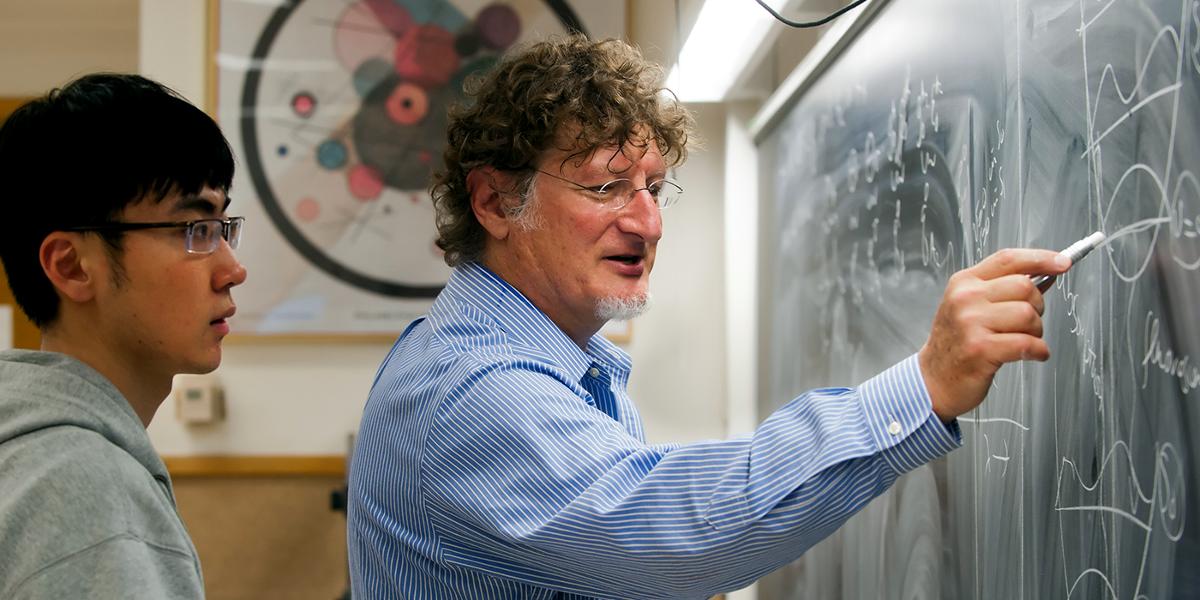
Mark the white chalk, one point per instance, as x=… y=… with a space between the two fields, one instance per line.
x=1075 y=252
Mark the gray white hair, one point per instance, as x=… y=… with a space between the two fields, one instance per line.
x=615 y=308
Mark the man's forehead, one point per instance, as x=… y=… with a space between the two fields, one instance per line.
x=209 y=201
x=206 y=200
x=612 y=157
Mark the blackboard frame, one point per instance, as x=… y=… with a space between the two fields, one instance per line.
x=814 y=65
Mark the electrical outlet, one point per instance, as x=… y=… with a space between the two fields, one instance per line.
x=199 y=399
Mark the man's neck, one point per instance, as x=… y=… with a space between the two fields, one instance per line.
x=579 y=331
x=144 y=391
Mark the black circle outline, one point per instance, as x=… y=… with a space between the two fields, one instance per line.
x=266 y=195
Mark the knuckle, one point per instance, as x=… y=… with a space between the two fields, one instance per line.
x=1037 y=350
x=972 y=348
x=1039 y=307
x=1006 y=257
x=1026 y=287
x=962 y=294
x=1030 y=315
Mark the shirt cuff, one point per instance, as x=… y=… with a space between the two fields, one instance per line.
x=899 y=415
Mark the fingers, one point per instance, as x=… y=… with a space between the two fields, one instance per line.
x=1011 y=317
x=1011 y=347
x=1023 y=261
x=1014 y=287
x=990 y=315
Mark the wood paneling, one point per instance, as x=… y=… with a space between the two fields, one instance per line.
x=266 y=538
x=255 y=466
x=25 y=335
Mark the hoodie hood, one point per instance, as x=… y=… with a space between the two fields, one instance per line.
x=39 y=390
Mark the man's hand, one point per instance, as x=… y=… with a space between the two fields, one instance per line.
x=991 y=314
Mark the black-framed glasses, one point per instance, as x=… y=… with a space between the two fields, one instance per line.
x=202 y=236
x=618 y=193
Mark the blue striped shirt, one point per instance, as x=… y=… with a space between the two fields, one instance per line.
x=496 y=459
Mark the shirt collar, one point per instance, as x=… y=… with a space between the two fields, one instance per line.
x=526 y=325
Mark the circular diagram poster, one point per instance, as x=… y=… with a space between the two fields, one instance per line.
x=336 y=111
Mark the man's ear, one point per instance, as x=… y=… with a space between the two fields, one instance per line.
x=488 y=188
x=68 y=266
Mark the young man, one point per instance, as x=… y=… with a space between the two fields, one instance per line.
x=499 y=454
x=118 y=248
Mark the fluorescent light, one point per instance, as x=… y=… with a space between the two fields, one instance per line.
x=727 y=35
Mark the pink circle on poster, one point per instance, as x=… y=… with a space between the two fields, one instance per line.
x=303 y=104
x=426 y=56
x=365 y=183
x=359 y=36
x=498 y=25
x=407 y=104
x=308 y=210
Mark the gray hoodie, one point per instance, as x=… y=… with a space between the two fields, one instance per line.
x=86 y=506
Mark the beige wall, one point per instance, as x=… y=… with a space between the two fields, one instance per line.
x=44 y=43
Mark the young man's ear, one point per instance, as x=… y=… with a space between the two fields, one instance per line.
x=490 y=191
x=68 y=266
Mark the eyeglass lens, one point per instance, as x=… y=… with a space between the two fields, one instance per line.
x=622 y=191
x=205 y=236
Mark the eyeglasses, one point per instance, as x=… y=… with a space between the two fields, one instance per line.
x=202 y=236
x=618 y=193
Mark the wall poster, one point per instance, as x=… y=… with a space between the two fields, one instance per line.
x=336 y=111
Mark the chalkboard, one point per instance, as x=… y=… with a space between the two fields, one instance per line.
x=941 y=131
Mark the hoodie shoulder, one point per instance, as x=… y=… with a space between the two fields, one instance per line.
x=68 y=489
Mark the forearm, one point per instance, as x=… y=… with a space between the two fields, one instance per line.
x=627 y=519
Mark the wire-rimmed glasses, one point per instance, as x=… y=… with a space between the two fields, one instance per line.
x=618 y=193
x=202 y=236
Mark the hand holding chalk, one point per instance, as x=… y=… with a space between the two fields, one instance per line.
x=989 y=315
x=1075 y=252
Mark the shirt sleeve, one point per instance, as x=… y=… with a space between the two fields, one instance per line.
x=524 y=480
x=120 y=567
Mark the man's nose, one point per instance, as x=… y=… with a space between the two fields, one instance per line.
x=642 y=216
x=230 y=272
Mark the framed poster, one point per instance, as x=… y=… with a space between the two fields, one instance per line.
x=336 y=111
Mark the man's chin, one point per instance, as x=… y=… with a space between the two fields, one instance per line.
x=622 y=308
x=204 y=365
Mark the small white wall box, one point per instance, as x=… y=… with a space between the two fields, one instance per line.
x=199 y=399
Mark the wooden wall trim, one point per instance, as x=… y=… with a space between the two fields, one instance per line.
x=10 y=103
x=255 y=466
x=25 y=333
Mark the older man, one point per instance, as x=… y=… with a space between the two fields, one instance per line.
x=500 y=456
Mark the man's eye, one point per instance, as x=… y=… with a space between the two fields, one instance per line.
x=616 y=187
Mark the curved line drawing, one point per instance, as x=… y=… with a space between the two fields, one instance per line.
x=1139 y=78
x=993 y=420
x=1112 y=593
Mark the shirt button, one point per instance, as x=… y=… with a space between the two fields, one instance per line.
x=894 y=428
x=594 y=372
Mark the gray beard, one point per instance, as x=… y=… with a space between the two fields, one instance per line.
x=621 y=309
